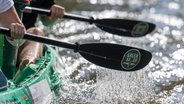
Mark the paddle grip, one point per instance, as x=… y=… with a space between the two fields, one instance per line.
x=5 y=31
x=37 y=11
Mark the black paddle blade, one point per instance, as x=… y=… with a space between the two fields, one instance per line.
x=125 y=27
x=113 y=56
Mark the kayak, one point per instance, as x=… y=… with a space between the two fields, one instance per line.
x=38 y=83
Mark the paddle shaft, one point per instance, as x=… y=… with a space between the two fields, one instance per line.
x=66 y=15
x=41 y=39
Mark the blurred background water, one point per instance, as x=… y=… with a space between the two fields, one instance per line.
x=161 y=82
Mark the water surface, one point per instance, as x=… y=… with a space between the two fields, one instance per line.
x=159 y=82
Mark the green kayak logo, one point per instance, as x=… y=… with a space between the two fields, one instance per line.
x=130 y=59
x=140 y=29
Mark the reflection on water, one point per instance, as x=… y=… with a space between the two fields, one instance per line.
x=160 y=82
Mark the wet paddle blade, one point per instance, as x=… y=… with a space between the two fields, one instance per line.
x=125 y=27
x=113 y=56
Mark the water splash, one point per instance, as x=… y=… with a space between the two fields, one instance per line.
x=160 y=82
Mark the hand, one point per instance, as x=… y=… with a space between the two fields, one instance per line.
x=17 y=30
x=56 y=12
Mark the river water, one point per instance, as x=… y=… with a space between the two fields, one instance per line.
x=160 y=82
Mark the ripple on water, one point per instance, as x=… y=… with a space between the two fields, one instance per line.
x=160 y=82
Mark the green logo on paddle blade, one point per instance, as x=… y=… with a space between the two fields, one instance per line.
x=140 y=29
x=130 y=59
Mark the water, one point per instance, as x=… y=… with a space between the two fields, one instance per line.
x=161 y=82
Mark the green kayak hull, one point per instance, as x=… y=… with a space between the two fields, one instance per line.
x=37 y=83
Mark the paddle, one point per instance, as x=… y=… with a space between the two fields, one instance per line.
x=121 y=27
x=112 y=56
